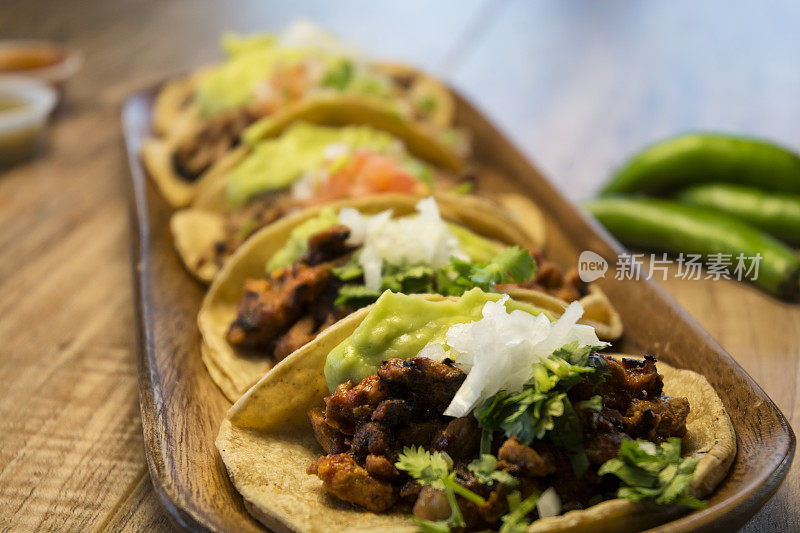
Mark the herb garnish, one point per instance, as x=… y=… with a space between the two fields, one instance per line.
x=515 y=521
x=542 y=407
x=512 y=265
x=485 y=470
x=653 y=472
x=435 y=470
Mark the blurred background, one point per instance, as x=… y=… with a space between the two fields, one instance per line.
x=577 y=85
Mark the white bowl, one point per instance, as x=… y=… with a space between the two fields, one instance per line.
x=29 y=104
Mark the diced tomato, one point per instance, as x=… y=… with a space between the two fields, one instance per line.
x=366 y=173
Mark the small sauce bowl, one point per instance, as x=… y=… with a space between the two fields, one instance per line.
x=25 y=105
x=51 y=63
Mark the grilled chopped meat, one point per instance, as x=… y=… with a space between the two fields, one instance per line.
x=371 y=438
x=331 y=439
x=403 y=404
x=437 y=382
x=432 y=504
x=575 y=492
x=380 y=467
x=628 y=379
x=200 y=149
x=393 y=412
x=420 y=432
x=340 y=406
x=269 y=307
x=529 y=462
x=295 y=337
x=327 y=245
x=657 y=419
x=246 y=220
x=345 y=479
x=601 y=434
x=460 y=439
x=289 y=308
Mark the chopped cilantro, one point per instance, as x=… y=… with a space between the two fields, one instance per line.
x=656 y=473
x=356 y=296
x=485 y=470
x=541 y=409
x=512 y=265
x=434 y=470
x=515 y=521
x=339 y=75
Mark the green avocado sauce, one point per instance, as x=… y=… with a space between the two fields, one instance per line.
x=277 y=163
x=251 y=60
x=297 y=243
x=400 y=325
x=477 y=248
x=231 y=84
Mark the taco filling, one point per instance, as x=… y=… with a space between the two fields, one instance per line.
x=265 y=74
x=496 y=421
x=335 y=263
x=311 y=165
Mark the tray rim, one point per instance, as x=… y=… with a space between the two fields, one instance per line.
x=753 y=496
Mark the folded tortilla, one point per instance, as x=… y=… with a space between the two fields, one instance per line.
x=196 y=230
x=235 y=370
x=175 y=116
x=266 y=443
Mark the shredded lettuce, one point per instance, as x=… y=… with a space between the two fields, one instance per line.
x=655 y=473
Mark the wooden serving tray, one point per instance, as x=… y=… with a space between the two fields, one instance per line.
x=182 y=408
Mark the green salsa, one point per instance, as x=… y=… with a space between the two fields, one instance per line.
x=400 y=326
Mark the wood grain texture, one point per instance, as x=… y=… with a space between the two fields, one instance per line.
x=578 y=85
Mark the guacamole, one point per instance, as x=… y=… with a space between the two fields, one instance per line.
x=477 y=248
x=277 y=163
x=400 y=326
x=297 y=244
x=231 y=84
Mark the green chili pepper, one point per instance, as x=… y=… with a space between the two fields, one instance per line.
x=668 y=226
x=667 y=166
x=776 y=213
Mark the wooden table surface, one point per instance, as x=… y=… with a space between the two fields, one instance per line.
x=578 y=85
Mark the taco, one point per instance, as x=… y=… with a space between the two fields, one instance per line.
x=306 y=165
x=303 y=273
x=208 y=121
x=472 y=413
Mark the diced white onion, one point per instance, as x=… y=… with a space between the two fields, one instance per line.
x=499 y=350
x=648 y=447
x=335 y=150
x=434 y=351
x=303 y=188
x=549 y=503
x=418 y=239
